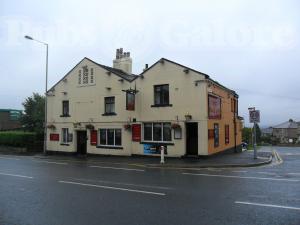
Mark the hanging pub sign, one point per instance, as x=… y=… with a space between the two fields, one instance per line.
x=136 y=132
x=214 y=107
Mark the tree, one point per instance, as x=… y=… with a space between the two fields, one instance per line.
x=247 y=135
x=34 y=114
x=258 y=134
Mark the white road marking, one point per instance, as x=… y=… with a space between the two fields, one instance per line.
x=126 y=184
x=268 y=205
x=12 y=158
x=117 y=168
x=212 y=169
x=239 y=171
x=294 y=173
x=226 y=176
x=51 y=162
x=113 y=188
x=15 y=175
x=268 y=173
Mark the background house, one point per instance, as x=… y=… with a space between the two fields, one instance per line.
x=10 y=119
x=287 y=132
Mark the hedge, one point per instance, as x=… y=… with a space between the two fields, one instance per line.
x=17 y=138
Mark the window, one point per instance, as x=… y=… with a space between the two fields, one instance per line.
x=130 y=101
x=65 y=135
x=110 y=137
x=109 y=105
x=79 y=77
x=161 y=94
x=92 y=76
x=216 y=135
x=226 y=134
x=85 y=78
x=65 y=108
x=160 y=132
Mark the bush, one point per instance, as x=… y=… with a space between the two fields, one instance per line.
x=17 y=138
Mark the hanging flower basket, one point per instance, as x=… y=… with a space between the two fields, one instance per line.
x=127 y=126
x=51 y=126
x=76 y=124
x=175 y=126
x=90 y=126
x=188 y=117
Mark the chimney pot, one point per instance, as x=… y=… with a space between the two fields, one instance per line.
x=146 y=66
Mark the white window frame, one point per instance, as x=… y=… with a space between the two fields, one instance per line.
x=106 y=129
x=63 y=135
x=162 y=133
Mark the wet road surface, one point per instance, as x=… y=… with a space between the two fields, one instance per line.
x=41 y=192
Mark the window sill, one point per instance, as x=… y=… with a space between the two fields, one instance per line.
x=162 y=105
x=156 y=143
x=65 y=144
x=109 y=114
x=65 y=116
x=109 y=147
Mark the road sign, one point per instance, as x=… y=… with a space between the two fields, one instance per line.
x=254 y=116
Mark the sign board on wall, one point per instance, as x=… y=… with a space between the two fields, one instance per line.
x=153 y=149
x=136 y=132
x=214 y=107
x=54 y=137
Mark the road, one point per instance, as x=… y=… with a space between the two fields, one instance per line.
x=41 y=192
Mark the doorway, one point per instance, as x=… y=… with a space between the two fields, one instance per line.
x=81 y=142
x=191 y=138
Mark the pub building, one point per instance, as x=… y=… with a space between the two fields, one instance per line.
x=98 y=109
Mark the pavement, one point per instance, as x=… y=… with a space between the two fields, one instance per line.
x=243 y=159
x=50 y=191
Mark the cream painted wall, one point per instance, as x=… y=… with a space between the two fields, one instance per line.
x=87 y=106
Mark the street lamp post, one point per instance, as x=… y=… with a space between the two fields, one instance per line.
x=46 y=88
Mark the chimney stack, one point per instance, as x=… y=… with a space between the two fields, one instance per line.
x=123 y=61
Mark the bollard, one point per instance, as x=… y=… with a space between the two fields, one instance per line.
x=162 y=154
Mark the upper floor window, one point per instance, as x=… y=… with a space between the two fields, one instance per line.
x=130 y=101
x=109 y=105
x=65 y=108
x=161 y=95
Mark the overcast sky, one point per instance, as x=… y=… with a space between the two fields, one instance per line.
x=251 y=46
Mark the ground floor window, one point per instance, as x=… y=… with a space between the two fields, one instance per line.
x=226 y=134
x=216 y=135
x=65 y=135
x=157 y=132
x=110 y=137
